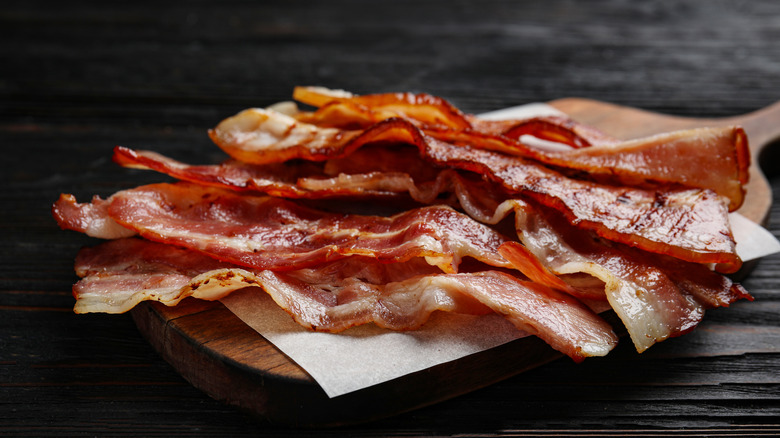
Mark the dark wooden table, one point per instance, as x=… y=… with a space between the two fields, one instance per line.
x=77 y=78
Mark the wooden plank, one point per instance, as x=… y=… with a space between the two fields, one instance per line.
x=78 y=78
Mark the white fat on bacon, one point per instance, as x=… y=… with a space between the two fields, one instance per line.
x=119 y=274
x=90 y=218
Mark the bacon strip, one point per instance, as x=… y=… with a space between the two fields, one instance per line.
x=301 y=179
x=272 y=233
x=654 y=301
x=688 y=224
x=707 y=158
x=119 y=274
x=390 y=173
x=342 y=109
x=714 y=158
x=339 y=108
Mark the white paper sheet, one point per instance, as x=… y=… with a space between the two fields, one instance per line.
x=367 y=355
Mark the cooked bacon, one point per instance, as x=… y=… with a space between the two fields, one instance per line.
x=662 y=294
x=119 y=274
x=620 y=273
x=712 y=158
x=277 y=179
x=338 y=108
x=342 y=109
x=391 y=172
x=709 y=158
x=91 y=219
x=656 y=296
x=337 y=295
x=690 y=224
x=638 y=232
x=271 y=233
x=384 y=174
x=655 y=301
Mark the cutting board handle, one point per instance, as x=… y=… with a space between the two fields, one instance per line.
x=762 y=126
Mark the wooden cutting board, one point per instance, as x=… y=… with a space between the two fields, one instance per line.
x=228 y=360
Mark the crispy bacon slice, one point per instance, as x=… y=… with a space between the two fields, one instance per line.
x=385 y=174
x=119 y=274
x=690 y=224
x=271 y=233
x=342 y=109
x=714 y=158
x=390 y=173
x=338 y=108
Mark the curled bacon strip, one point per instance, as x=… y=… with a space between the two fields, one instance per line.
x=707 y=158
x=302 y=179
x=654 y=301
x=557 y=129
x=271 y=233
x=340 y=107
x=689 y=224
x=119 y=274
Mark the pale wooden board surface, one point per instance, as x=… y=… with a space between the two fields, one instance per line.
x=219 y=354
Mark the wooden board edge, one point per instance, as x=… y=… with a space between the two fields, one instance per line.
x=294 y=402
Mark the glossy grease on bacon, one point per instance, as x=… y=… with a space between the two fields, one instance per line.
x=550 y=231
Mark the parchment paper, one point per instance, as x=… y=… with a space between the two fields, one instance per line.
x=367 y=355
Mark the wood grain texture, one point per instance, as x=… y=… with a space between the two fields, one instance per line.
x=219 y=354
x=77 y=78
